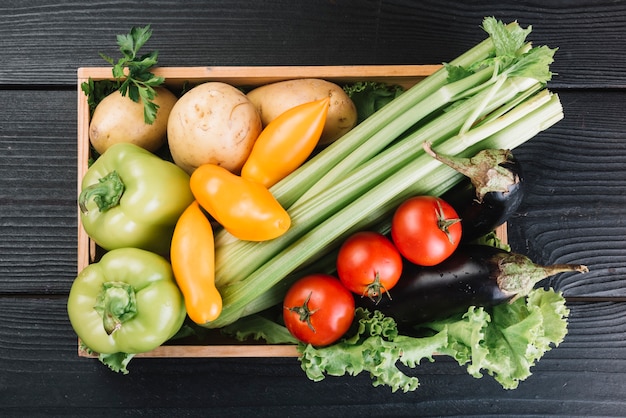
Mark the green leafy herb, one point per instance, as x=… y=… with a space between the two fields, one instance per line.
x=131 y=72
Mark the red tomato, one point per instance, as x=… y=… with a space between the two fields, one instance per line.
x=368 y=264
x=318 y=309
x=426 y=230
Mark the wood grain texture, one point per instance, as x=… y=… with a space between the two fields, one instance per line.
x=573 y=212
x=37 y=191
x=40 y=372
x=574 y=207
x=44 y=42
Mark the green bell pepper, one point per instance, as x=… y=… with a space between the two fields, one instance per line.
x=132 y=198
x=128 y=302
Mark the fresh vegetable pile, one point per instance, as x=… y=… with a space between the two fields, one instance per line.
x=352 y=220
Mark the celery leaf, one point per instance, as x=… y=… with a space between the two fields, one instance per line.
x=457 y=72
x=507 y=41
x=534 y=64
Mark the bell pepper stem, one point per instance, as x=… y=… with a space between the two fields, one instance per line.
x=116 y=304
x=106 y=193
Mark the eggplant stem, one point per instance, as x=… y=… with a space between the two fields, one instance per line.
x=485 y=169
x=518 y=275
x=564 y=268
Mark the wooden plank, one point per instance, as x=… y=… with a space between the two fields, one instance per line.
x=573 y=211
x=584 y=376
x=62 y=38
x=37 y=191
x=404 y=75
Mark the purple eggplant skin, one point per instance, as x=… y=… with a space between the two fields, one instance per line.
x=424 y=294
x=474 y=275
x=479 y=218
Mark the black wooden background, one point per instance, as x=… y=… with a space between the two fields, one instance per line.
x=575 y=210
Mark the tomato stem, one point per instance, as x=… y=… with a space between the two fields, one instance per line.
x=443 y=223
x=375 y=290
x=304 y=312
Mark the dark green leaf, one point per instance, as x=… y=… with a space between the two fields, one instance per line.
x=133 y=93
x=133 y=74
x=140 y=36
x=126 y=45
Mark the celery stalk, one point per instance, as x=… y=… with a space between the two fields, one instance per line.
x=307 y=213
x=381 y=162
x=387 y=133
x=373 y=134
x=524 y=122
x=439 y=181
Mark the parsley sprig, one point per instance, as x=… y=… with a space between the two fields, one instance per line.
x=132 y=72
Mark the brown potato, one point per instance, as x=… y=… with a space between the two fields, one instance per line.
x=273 y=99
x=214 y=123
x=118 y=119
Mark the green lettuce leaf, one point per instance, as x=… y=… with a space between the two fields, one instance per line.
x=504 y=342
x=514 y=336
x=118 y=362
x=370 y=96
x=373 y=348
x=259 y=327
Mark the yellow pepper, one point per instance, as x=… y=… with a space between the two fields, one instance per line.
x=193 y=261
x=246 y=209
x=286 y=142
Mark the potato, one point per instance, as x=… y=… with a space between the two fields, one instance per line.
x=273 y=99
x=215 y=123
x=118 y=119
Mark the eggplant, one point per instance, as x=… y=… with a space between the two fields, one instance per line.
x=491 y=193
x=474 y=275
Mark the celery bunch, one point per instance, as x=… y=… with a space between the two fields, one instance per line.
x=492 y=96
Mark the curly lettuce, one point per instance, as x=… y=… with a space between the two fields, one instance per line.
x=504 y=342
x=370 y=96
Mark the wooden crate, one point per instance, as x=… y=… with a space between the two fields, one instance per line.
x=176 y=77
